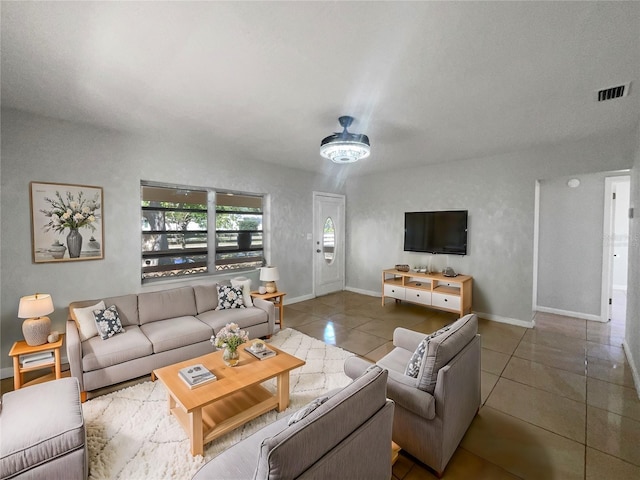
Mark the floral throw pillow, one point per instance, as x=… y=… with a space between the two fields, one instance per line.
x=229 y=297
x=108 y=322
x=413 y=367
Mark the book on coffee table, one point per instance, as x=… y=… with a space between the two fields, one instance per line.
x=261 y=354
x=196 y=375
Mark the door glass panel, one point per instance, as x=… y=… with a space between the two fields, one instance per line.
x=328 y=240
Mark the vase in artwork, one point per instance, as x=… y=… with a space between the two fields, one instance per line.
x=230 y=357
x=74 y=243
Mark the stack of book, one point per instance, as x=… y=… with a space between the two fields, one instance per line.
x=35 y=359
x=196 y=375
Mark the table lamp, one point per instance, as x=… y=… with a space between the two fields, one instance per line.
x=270 y=275
x=37 y=326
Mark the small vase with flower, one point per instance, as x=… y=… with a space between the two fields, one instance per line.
x=229 y=338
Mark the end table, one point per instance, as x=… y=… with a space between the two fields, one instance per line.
x=22 y=348
x=278 y=300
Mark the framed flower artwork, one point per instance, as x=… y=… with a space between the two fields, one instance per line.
x=66 y=222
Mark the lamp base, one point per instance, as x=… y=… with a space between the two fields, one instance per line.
x=36 y=330
x=271 y=287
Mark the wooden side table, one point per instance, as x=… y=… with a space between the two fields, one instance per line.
x=278 y=300
x=22 y=348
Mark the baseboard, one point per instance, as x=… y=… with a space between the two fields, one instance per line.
x=510 y=321
x=370 y=293
x=567 y=313
x=634 y=366
x=302 y=298
x=6 y=372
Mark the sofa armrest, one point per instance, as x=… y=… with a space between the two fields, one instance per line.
x=355 y=366
x=268 y=307
x=407 y=339
x=403 y=390
x=74 y=351
x=457 y=392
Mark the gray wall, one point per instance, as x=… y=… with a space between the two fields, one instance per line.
x=632 y=332
x=570 y=245
x=499 y=194
x=40 y=149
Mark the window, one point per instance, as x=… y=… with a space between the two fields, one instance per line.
x=175 y=231
x=238 y=231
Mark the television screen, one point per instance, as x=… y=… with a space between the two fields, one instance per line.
x=436 y=232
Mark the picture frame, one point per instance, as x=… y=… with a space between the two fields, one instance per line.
x=67 y=222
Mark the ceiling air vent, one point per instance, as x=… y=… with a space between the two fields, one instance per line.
x=614 y=92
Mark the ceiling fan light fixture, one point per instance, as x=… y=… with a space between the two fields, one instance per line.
x=345 y=147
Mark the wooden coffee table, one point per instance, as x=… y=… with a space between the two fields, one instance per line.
x=237 y=397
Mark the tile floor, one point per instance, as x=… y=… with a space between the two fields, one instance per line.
x=558 y=401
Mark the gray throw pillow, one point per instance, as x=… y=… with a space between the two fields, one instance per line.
x=413 y=367
x=229 y=297
x=307 y=409
x=108 y=322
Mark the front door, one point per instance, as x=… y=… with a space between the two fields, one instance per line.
x=328 y=242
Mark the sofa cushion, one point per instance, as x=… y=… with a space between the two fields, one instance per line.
x=206 y=297
x=177 y=302
x=244 y=284
x=245 y=317
x=41 y=423
x=229 y=297
x=108 y=322
x=86 y=321
x=293 y=450
x=126 y=346
x=396 y=360
x=127 y=306
x=442 y=348
x=176 y=332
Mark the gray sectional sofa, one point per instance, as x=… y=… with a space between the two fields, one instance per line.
x=161 y=328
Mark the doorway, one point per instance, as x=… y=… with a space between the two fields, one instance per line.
x=615 y=249
x=328 y=243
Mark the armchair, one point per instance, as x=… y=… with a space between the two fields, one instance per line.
x=433 y=410
x=344 y=434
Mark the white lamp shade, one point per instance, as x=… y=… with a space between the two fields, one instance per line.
x=269 y=274
x=33 y=306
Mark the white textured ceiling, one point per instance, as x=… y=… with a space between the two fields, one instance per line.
x=428 y=82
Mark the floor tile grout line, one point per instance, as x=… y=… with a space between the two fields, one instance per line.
x=537 y=426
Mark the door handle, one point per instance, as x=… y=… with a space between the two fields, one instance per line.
x=318 y=251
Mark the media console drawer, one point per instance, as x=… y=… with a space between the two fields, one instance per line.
x=451 y=302
x=418 y=296
x=395 y=291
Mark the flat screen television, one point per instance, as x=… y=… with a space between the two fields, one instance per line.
x=436 y=232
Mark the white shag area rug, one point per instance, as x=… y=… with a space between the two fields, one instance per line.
x=131 y=435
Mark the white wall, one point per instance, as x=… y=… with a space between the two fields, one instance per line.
x=40 y=149
x=499 y=194
x=632 y=332
x=570 y=246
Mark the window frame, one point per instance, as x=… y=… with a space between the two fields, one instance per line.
x=214 y=264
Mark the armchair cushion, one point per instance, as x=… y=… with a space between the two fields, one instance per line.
x=413 y=367
x=442 y=348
